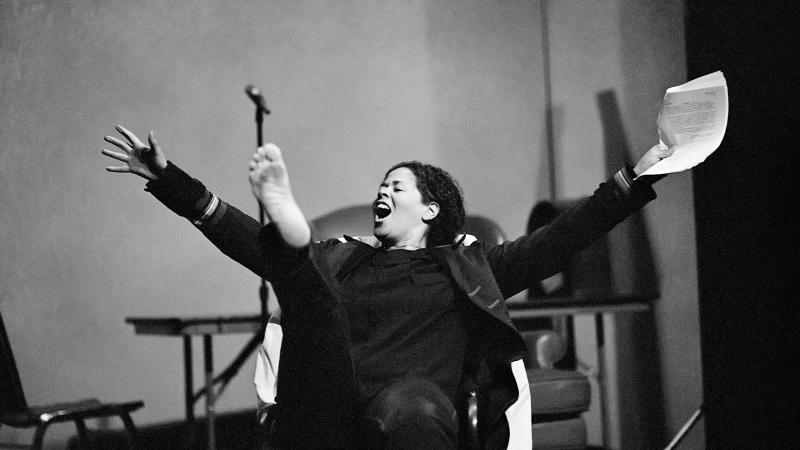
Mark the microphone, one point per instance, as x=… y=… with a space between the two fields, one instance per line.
x=257 y=98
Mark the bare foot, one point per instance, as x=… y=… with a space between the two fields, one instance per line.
x=269 y=180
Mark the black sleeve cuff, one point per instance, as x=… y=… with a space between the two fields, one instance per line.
x=181 y=193
x=627 y=181
x=624 y=179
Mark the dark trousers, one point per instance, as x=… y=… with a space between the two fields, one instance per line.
x=414 y=414
x=319 y=405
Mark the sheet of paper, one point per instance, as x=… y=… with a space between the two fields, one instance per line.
x=693 y=119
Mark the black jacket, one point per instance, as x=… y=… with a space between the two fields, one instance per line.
x=306 y=281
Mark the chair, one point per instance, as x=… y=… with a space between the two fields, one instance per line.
x=559 y=395
x=15 y=411
x=356 y=220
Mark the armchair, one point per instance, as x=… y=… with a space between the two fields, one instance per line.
x=353 y=220
x=558 y=396
x=548 y=415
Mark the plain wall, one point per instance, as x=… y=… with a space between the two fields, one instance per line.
x=626 y=53
x=354 y=87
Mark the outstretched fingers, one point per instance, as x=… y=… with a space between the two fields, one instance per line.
x=119 y=169
x=132 y=138
x=154 y=147
x=147 y=161
x=124 y=146
x=119 y=157
x=116 y=155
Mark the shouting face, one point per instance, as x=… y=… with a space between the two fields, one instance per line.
x=400 y=215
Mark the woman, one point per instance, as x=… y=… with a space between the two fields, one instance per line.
x=389 y=332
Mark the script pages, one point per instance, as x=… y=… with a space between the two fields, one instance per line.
x=692 y=119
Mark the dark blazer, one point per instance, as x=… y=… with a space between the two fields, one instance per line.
x=306 y=283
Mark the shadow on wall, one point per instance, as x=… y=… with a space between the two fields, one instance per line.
x=633 y=272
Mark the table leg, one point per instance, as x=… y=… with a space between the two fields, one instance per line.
x=188 y=375
x=601 y=375
x=587 y=356
x=210 y=394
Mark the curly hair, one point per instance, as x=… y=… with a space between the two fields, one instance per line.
x=436 y=185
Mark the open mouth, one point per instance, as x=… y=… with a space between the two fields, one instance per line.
x=381 y=210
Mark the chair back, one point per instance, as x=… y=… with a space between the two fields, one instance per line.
x=356 y=220
x=484 y=229
x=353 y=221
x=12 y=397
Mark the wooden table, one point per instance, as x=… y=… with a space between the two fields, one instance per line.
x=207 y=327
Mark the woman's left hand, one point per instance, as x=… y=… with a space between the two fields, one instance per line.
x=654 y=155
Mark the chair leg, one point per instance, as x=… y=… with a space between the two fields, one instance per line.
x=131 y=428
x=83 y=433
x=38 y=438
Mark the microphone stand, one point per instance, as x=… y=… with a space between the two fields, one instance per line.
x=263 y=293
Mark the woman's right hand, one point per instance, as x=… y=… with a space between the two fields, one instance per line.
x=146 y=161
